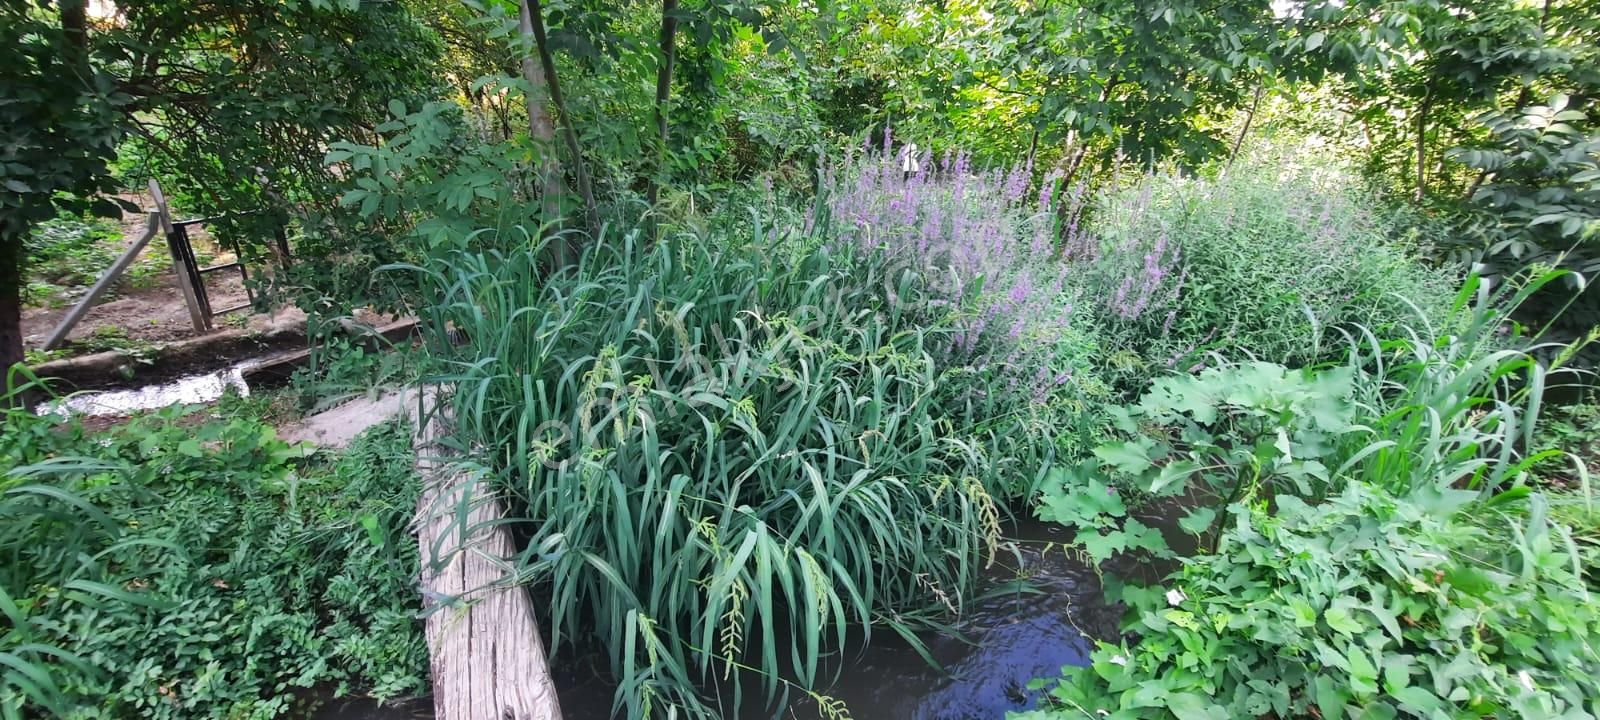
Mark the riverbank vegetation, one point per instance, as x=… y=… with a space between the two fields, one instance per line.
x=192 y=565
x=768 y=322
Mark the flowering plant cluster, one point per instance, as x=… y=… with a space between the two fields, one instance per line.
x=982 y=240
x=1265 y=260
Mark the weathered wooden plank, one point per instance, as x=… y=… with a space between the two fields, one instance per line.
x=179 y=268
x=488 y=658
x=151 y=226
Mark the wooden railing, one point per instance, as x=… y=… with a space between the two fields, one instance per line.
x=152 y=225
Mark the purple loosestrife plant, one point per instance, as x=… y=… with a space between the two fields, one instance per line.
x=984 y=245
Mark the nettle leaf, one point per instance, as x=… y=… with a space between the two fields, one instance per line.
x=1304 y=614
x=1330 y=698
x=1138 y=536
x=1192 y=705
x=1418 y=700
x=1338 y=617
x=1173 y=476
x=1363 y=674
x=1182 y=618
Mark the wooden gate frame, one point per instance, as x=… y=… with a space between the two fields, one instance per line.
x=185 y=266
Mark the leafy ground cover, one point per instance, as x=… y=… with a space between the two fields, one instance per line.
x=67 y=254
x=753 y=377
x=174 y=568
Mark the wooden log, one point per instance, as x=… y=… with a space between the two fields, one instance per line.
x=488 y=659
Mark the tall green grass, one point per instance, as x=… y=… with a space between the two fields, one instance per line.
x=1456 y=403
x=1254 y=259
x=725 y=454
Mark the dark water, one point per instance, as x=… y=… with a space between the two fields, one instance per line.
x=1011 y=637
x=364 y=709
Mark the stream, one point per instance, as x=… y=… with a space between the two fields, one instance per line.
x=1015 y=632
x=1028 y=630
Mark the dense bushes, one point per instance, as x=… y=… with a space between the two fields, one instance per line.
x=1369 y=543
x=1426 y=605
x=1262 y=259
x=182 y=568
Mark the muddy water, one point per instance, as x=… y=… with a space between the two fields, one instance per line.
x=1039 y=613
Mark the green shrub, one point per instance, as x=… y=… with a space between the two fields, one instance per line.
x=1261 y=259
x=1233 y=432
x=1574 y=432
x=67 y=254
x=1431 y=605
x=729 y=454
x=172 y=569
x=1370 y=546
x=64 y=253
x=348 y=359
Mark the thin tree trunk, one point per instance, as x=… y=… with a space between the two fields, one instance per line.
x=1248 y=119
x=543 y=132
x=1083 y=148
x=1422 y=145
x=74 y=16
x=580 y=169
x=669 y=30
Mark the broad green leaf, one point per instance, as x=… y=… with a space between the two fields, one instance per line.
x=1131 y=457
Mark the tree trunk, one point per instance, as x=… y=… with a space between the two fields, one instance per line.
x=669 y=30
x=1083 y=148
x=1422 y=146
x=569 y=131
x=543 y=132
x=11 y=253
x=74 y=16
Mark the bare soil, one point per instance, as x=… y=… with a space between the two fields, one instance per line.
x=154 y=314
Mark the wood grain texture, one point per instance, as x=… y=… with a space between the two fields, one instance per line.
x=488 y=659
